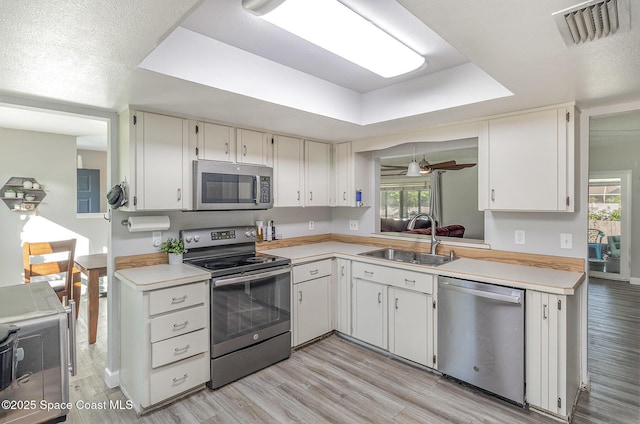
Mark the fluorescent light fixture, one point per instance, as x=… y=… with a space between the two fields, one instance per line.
x=338 y=29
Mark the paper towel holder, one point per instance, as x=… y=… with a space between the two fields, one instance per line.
x=158 y=223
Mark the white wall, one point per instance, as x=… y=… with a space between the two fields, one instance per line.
x=51 y=160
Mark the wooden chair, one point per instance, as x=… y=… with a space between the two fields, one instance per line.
x=52 y=259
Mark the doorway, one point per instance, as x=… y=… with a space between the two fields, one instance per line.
x=609 y=222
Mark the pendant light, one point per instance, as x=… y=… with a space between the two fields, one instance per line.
x=414 y=169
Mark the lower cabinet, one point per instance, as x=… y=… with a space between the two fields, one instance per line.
x=343 y=296
x=393 y=309
x=370 y=312
x=411 y=325
x=552 y=351
x=164 y=342
x=311 y=301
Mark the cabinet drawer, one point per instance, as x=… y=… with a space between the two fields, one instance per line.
x=177 y=348
x=311 y=270
x=177 y=297
x=177 y=378
x=410 y=280
x=177 y=323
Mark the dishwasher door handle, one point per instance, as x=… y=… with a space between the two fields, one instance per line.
x=485 y=294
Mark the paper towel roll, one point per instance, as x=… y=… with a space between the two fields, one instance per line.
x=148 y=223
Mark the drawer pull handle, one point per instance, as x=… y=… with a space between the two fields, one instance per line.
x=379 y=297
x=544 y=312
x=406 y=280
x=180 y=326
x=181 y=349
x=368 y=272
x=342 y=271
x=178 y=299
x=300 y=296
x=180 y=379
x=313 y=272
x=396 y=303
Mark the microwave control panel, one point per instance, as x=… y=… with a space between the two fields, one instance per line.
x=265 y=190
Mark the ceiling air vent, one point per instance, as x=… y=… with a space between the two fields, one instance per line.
x=592 y=20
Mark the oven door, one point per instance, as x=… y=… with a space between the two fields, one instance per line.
x=249 y=309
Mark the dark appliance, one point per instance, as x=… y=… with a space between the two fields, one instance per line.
x=37 y=343
x=231 y=186
x=250 y=295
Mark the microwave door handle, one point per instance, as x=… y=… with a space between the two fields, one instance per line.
x=256 y=189
x=250 y=277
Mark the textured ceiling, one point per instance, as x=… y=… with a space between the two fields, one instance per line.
x=86 y=53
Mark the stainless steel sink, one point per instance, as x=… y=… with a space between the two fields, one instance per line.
x=408 y=256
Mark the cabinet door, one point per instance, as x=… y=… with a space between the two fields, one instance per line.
x=530 y=158
x=251 y=147
x=288 y=171
x=161 y=141
x=410 y=325
x=343 y=279
x=545 y=351
x=311 y=309
x=214 y=141
x=317 y=167
x=344 y=190
x=370 y=312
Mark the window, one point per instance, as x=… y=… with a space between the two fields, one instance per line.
x=403 y=202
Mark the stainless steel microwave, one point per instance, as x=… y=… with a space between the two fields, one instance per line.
x=231 y=186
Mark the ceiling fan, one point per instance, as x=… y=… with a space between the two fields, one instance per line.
x=426 y=167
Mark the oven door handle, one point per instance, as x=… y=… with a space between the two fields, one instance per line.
x=250 y=277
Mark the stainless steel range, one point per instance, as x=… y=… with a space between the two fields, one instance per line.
x=250 y=301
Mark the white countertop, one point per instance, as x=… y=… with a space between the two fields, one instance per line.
x=155 y=277
x=526 y=277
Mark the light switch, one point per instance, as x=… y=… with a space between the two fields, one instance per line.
x=566 y=241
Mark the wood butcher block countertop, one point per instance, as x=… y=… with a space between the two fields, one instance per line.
x=520 y=276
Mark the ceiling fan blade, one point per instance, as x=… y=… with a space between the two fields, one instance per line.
x=457 y=166
x=392 y=167
x=442 y=165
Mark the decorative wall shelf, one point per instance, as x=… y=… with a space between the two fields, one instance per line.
x=22 y=194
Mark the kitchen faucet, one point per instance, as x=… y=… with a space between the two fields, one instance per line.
x=434 y=241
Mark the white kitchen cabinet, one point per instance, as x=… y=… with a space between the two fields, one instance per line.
x=411 y=325
x=343 y=296
x=215 y=142
x=311 y=301
x=370 y=312
x=344 y=190
x=317 y=173
x=526 y=162
x=288 y=170
x=252 y=147
x=552 y=351
x=155 y=161
x=164 y=342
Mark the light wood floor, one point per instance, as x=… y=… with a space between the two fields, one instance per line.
x=337 y=381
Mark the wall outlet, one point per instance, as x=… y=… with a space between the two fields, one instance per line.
x=312 y=225
x=519 y=236
x=353 y=225
x=566 y=241
x=156 y=236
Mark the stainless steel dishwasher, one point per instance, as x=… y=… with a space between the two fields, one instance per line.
x=481 y=335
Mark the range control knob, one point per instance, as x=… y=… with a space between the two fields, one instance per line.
x=188 y=239
x=196 y=238
x=247 y=234
x=253 y=233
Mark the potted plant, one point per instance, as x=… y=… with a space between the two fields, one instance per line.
x=9 y=193
x=175 y=249
x=20 y=194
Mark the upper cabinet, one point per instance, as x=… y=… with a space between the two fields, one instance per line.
x=526 y=162
x=301 y=172
x=288 y=171
x=215 y=141
x=344 y=190
x=252 y=147
x=155 y=161
x=317 y=169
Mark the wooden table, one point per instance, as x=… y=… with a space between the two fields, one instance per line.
x=94 y=267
